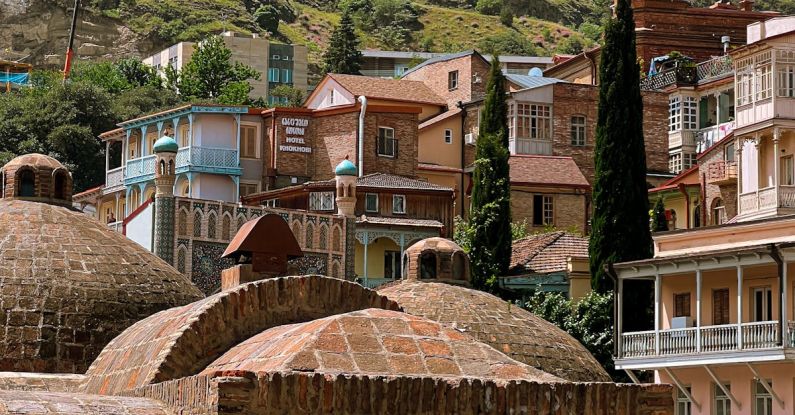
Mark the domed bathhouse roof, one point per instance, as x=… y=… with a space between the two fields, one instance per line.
x=69 y=283
x=510 y=329
x=36 y=177
x=165 y=144
x=346 y=168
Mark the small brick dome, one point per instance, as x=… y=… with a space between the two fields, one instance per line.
x=510 y=329
x=70 y=285
x=36 y=177
x=435 y=259
x=373 y=342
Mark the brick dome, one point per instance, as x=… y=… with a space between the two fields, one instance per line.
x=36 y=177
x=516 y=332
x=373 y=342
x=435 y=259
x=70 y=285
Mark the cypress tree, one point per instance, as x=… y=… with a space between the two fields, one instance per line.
x=343 y=55
x=620 y=223
x=491 y=194
x=659 y=221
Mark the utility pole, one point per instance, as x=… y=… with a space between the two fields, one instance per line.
x=67 y=67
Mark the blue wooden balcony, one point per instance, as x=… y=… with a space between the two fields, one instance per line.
x=189 y=159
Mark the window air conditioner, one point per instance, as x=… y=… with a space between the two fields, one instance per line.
x=681 y=322
x=469 y=138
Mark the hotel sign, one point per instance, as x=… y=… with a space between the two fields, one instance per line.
x=295 y=133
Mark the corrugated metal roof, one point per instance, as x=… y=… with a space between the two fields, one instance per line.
x=529 y=82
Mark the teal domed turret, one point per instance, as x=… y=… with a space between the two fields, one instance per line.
x=165 y=144
x=346 y=168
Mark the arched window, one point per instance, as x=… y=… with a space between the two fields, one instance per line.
x=225 y=228
x=182 y=223
x=211 y=223
x=459 y=266
x=336 y=239
x=310 y=235
x=335 y=270
x=26 y=183
x=162 y=167
x=296 y=228
x=171 y=167
x=427 y=265
x=197 y=224
x=240 y=221
x=322 y=242
x=60 y=185
x=181 y=259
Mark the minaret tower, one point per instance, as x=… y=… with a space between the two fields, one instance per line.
x=165 y=150
x=345 y=175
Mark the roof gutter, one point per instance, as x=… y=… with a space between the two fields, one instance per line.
x=362 y=112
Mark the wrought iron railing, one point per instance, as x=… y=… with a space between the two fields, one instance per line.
x=714 y=68
x=688 y=74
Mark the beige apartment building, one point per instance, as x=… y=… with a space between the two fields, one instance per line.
x=278 y=64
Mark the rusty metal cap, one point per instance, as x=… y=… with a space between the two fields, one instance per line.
x=267 y=234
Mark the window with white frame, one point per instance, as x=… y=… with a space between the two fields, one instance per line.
x=674 y=114
x=763 y=76
x=184 y=135
x=249 y=143
x=531 y=121
x=287 y=76
x=683 y=404
x=399 y=204
x=371 y=202
x=321 y=201
x=448 y=136
x=787 y=171
x=387 y=145
x=273 y=74
x=689 y=113
x=452 y=80
x=785 y=73
x=543 y=210
x=675 y=163
x=151 y=138
x=721 y=402
x=578 y=130
x=744 y=78
x=763 y=400
x=762 y=304
x=688 y=160
x=248 y=188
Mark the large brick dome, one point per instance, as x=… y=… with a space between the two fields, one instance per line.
x=69 y=285
x=516 y=332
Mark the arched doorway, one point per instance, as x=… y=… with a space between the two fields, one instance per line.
x=26 y=183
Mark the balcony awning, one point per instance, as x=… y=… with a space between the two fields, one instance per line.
x=704 y=260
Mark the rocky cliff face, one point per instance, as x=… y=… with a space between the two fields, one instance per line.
x=40 y=29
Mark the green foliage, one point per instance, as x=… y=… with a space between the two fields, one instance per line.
x=519 y=230
x=390 y=21
x=137 y=73
x=291 y=97
x=506 y=17
x=507 y=43
x=659 y=222
x=490 y=250
x=267 y=17
x=462 y=233
x=343 y=55
x=620 y=222
x=591 y=31
x=103 y=74
x=571 y=46
x=588 y=320
x=489 y=7
x=211 y=74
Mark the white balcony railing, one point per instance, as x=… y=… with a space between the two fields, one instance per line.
x=721 y=338
x=682 y=138
x=140 y=168
x=760 y=199
x=114 y=179
x=530 y=146
x=116 y=226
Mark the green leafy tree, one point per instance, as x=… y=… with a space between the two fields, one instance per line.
x=489 y=7
x=507 y=43
x=343 y=55
x=490 y=251
x=620 y=224
x=506 y=17
x=659 y=222
x=289 y=96
x=138 y=73
x=211 y=74
x=103 y=74
x=589 y=320
x=267 y=17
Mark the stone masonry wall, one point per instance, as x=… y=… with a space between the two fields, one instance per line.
x=569 y=209
x=727 y=193
x=316 y=393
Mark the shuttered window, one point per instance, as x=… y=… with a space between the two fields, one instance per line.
x=682 y=305
x=720 y=306
x=248 y=142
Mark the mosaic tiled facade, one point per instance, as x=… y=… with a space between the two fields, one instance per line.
x=202 y=229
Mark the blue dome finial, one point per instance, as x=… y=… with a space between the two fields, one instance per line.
x=346 y=168
x=165 y=144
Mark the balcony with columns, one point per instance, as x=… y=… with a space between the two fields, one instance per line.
x=766 y=174
x=711 y=308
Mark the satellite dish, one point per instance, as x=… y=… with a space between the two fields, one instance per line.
x=535 y=72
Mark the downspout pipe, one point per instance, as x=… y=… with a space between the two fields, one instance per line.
x=775 y=253
x=682 y=189
x=460 y=105
x=362 y=112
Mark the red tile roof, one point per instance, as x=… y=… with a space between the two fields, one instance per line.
x=545 y=253
x=546 y=170
x=389 y=89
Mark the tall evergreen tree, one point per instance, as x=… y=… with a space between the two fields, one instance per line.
x=620 y=224
x=343 y=54
x=491 y=194
x=659 y=222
